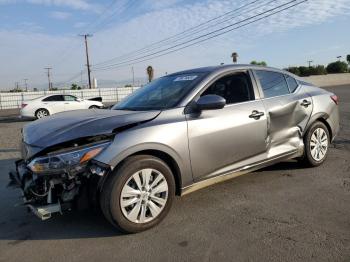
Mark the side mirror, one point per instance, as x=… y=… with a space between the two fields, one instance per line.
x=78 y=99
x=210 y=102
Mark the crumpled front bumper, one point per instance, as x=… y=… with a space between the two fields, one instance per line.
x=18 y=180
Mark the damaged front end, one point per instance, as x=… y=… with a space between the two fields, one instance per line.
x=60 y=179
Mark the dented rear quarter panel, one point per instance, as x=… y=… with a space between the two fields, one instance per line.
x=323 y=108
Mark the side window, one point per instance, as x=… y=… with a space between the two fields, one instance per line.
x=54 y=98
x=272 y=83
x=234 y=88
x=70 y=98
x=292 y=83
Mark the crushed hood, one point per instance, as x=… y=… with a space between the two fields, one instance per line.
x=67 y=126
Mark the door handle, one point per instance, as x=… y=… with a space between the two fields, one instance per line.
x=305 y=103
x=256 y=114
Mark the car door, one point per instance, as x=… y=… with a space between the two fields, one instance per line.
x=54 y=103
x=72 y=103
x=223 y=140
x=288 y=110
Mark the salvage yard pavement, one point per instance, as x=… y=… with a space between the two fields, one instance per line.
x=281 y=213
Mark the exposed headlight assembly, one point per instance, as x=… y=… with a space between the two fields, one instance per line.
x=68 y=161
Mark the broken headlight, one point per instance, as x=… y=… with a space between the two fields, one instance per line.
x=67 y=161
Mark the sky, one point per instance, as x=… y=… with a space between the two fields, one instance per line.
x=35 y=34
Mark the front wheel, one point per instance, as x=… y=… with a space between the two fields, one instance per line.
x=93 y=107
x=316 y=142
x=139 y=194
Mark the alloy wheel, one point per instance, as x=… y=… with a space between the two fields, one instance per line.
x=319 y=144
x=41 y=114
x=144 y=196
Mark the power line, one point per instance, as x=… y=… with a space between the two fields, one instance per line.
x=86 y=27
x=198 y=37
x=126 y=7
x=183 y=34
x=206 y=37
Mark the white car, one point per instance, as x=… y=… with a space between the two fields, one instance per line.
x=52 y=104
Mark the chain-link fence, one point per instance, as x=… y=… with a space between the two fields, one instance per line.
x=109 y=95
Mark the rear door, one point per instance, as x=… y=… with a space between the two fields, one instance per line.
x=288 y=110
x=54 y=103
x=220 y=139
x=71 y=103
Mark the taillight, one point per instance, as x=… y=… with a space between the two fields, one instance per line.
x=24 y=105
x=335 y=99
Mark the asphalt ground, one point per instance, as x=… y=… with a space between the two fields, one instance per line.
x=281 y=213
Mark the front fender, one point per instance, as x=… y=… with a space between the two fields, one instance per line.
x=169 y=137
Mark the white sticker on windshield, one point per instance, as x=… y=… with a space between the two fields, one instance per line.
x=185 y=78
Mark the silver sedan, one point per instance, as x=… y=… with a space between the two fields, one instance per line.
x=180 y=133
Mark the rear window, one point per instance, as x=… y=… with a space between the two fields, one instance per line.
x=272 y=83
x=292 y=83
x=70 y=98
x=54 y=98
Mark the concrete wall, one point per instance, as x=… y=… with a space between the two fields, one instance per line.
x=14 y=100
x=328 y=80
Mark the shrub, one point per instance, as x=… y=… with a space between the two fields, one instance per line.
x=294 y=70
x=337 y=67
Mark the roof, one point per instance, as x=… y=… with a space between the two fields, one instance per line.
x=211 y=69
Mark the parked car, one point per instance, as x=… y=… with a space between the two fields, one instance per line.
x=52 y=104
x=180 y=133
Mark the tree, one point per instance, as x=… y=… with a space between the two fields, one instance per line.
x=150 y=73
x=294 y=70
x=337 y=67
x=75 y=87
x=234 y=56
x=261 y=63
x=348 y=59
x=304 y=71
x=317 y=70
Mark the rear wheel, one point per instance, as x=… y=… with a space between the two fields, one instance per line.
x=139 y=194
x=316 y=143
x=93 y=107
x=42 y=112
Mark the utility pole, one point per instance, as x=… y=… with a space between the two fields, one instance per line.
x=25 y=84
x=16 y=86
x=49 y=76
x=309 y=62
x=133 y=76
x=81 y=79
x=87 y=57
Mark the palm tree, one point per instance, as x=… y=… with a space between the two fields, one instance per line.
x=234 y=57
x=150 y=73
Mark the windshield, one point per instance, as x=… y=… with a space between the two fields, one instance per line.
x=163 y=93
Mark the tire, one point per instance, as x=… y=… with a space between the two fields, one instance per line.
x=93 y=107
x=316 y=143
x=42 y=112
x=115 y=194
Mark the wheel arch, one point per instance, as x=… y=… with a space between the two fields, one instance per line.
x=161 y=154
x=321 y=117
x=169 y=160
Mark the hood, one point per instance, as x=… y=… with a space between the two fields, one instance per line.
x=67 y=126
